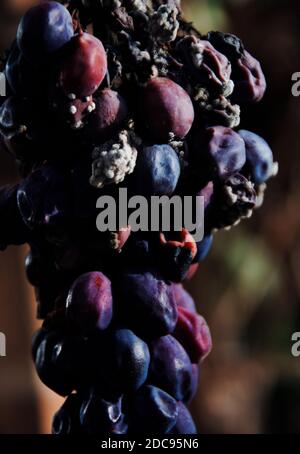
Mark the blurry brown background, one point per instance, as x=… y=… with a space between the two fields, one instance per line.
x=248 y=288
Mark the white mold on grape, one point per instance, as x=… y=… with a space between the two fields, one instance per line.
x=178 y=147
x=113 y=3
x=91 y=107
x=139 y=5
x=228 y=89
x=78 y=125
x=231 y=196
x=248 y=214
x=201 y=94
x=249 y=185
x=72 y=96
x=197 y=49
x=113 y=161
x=260 y=195
x=275 y=169
x=164 y=24
x=73 y=110
x=235 y=119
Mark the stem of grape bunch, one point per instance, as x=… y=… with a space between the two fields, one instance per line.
x=123 y=94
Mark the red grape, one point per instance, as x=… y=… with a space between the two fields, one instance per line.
x=109 y=114
x=167 y=108
x=84 y=66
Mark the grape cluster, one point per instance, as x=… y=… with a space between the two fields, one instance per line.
x=111 y=93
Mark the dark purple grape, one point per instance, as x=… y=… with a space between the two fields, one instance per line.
x=38 y=337
x=43 y=198
x=232 y=201
x=28 y=131
x=25 y=78
x=184 y=424
x=98 y=416
x=209 y=67
x=194 y=385
x=110 y=113
x=56 y=361
x=53 y=296
x=203 y=248
x=69 y=358
x=166 y=108
x=183 y=298
x=138 y=251
x=153 y=411
x=146 y=303
x=247 y=75
x=44 y=29
x=39 y=264
x=193 y=334
x=219 y=152
x=226 y=43
x=259 y=157
x=13 y=117
x=12 y=228
x=125 y=361
x=66 y=419
x=176 y=253
x=170 y=367
x=89 y=304
x=156 y=172
x=249 y=80
x=83 y=67
x=73 y=113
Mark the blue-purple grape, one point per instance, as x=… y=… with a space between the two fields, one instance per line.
x=185 y=424
x=99 y=416
x=170 y=367
x=219 y=152
x=259 y=157
x=153 y=411
x=66 y=419
x=44 y=29
x=126 y=361
x=157 y=171
x=55 y=361
x=203 y=248
x=146 y=303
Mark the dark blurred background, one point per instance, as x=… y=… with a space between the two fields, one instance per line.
x=248 y=288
